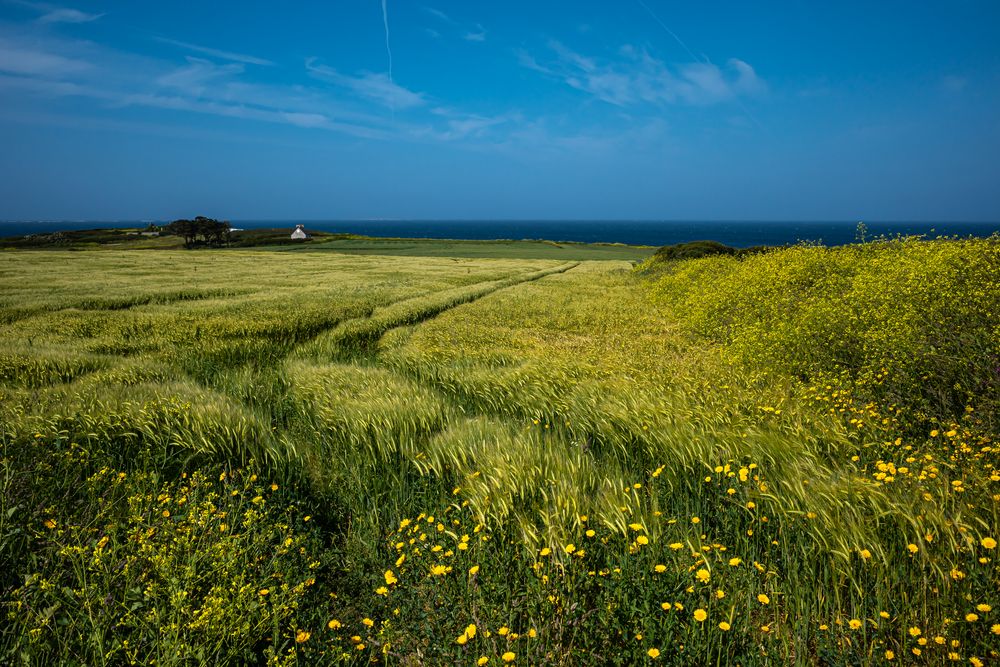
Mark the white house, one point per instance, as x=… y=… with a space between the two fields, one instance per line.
x=300 y=232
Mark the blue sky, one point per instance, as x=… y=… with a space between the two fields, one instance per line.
x=638 y=109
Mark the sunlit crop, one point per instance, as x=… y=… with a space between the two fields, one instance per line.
x=788 y=457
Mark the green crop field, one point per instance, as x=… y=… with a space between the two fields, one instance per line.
x=485 y=249
x=380 y=451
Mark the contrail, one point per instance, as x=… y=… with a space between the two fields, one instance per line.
x=669 y=31
x=696 y=59
x=388 y=50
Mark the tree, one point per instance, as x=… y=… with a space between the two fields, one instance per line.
x=212 y=232
x=185 y=229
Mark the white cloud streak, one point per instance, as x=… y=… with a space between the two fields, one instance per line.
x=438 y=14
x=477 y=35
x=217 y=53
x=636 y=77
x=37 y=66
x=469 y=34
x=55 y=14
x=29 y=61
x=373 y=86
x=68 y=16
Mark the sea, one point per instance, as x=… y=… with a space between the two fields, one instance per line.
x=740 y=234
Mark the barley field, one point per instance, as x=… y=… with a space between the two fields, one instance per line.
x=249 y=456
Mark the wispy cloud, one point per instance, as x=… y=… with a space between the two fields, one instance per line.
x=194 y=78
x=369 y=85
x=45 y=66
x=438 y=14
x=636 y=77
x=37 y=66
x=217 y=53
x=461 y=125
x=68 y=16
x=477 y=35
x=55 y=14
x=27 y=60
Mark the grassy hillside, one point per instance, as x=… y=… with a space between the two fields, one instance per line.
x=319 y=457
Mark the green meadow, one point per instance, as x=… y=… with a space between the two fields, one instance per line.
x=390 y=451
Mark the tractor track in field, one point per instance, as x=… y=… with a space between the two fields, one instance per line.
x=355 y=341
x=357 y=338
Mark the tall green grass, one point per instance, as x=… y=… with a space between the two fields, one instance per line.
x=563 y=463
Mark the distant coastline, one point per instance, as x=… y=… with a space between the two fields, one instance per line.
x=740 y=234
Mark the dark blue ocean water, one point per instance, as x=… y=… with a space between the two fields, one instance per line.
x=656 y=233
